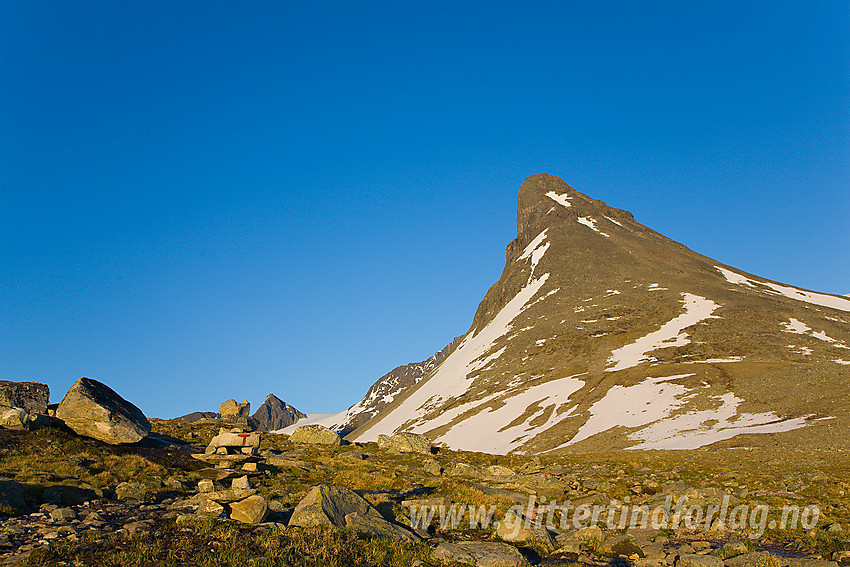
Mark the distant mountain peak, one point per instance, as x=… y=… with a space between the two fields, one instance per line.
x=602 y=333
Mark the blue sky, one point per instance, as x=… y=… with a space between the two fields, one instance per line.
x=201 y=201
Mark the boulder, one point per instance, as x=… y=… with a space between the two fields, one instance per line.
x=252 y=510
x=499 y=470
x=405 y=443
x=131 y=491
x=231 y=410
x=480 y=554
x=462 y=469
x=14 y=418
x=375 y=525
x=327 y=505
x=512 y=528
x=275 y=414
x=753 y=559
x=93 y=409
x=31 y=396
x=315 y=435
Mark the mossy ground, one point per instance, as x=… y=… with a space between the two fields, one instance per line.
x=44 y=458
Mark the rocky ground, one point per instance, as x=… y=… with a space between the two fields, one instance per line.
x=68 y=500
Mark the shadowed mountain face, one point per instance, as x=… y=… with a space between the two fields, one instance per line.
x=274 y=414
x=602 y=333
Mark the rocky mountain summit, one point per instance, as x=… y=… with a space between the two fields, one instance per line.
x=602 y=333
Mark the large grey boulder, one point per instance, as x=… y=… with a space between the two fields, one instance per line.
x=405 y=443
x=275 y=414
x=340 y=506
x=31 y=396
x=480 y=554
x=315 y=435
x=328 y=505
x=93 y=409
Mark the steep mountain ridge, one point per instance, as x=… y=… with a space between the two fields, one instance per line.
x=601 y=332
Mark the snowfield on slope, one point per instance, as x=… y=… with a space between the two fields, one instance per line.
x=453 y=377
x=652 y=405
x=671 y=334
x=812 y=297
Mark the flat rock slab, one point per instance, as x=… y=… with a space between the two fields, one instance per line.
x=227 y=438
x=480 y=554
x=93 y=409
x=694 y=560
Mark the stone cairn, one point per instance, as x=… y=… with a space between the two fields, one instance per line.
x=234 y=455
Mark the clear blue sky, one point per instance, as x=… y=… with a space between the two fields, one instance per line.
x=205 y=200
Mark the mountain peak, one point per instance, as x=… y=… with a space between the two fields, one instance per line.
x=545 y=200
x=602 y=333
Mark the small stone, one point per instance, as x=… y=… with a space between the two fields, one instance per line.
x=252 y=510
x=63 y=515
x=207 y=507
x=432 y=467
x=241 y=483
x=206 y=485
x=249 y=467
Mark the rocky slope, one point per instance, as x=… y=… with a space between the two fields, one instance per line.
x=604 y=333
x=388 y=387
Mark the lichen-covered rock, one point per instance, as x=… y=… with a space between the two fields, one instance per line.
x=315 y=435
x=375 y=525
x=14 y=418
x=480 y=554
x=131 y=491
x=405 y=443
x=327 y=505
x=31 y=396
x=95 y=410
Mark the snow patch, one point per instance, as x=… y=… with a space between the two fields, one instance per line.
x=716 y=360
x=612 y=220
x=702 y=427
x=500 y=438
x=633 y=406
x=453 y=377
x=591 y=223
x=812 y=297
x=839 y=361
x=670 y=334
x=535 y=249
x=326 y=419
x=560 y=199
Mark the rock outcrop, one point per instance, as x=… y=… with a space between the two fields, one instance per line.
x=95 y=410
